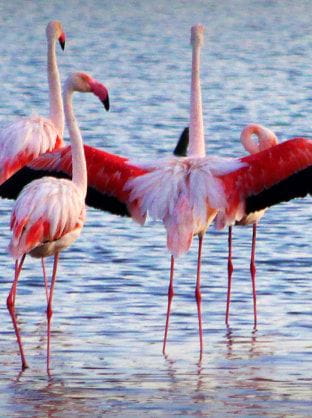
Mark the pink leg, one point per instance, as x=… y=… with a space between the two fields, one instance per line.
x=230 y=271
x=46 y=284
x=170 y=296
x=11 y=309
x=199 y=297
x=18 y=268
x=253 y=271
x=49 y=309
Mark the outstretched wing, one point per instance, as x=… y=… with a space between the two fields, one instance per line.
x=107 y=175
x=269 y=177
x=278 y=174
x=24 y=140
x=45 y=211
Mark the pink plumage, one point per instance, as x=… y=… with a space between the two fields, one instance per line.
x=49 y=213
x=28 y=137
x=45 y=211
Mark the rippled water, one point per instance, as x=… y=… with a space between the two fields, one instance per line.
x=111 y=293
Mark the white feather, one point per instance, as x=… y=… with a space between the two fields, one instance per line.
x=30 y=136
x=159 y=190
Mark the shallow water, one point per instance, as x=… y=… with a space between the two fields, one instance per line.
x=110 y=297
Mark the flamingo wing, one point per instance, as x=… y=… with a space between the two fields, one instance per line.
x=46 y=210
x=24 y=140
x=269 y=177
x=107 y=175
x=275 y=175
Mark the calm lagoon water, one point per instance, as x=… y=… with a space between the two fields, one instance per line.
x=111 y=294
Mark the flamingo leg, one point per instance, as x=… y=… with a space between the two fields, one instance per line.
x=46 y=284
x=198 y=296
x=230 y=272
x=49 y=309
x=18 y=268
x=11 y=308
x=253 y=271
x=170 y=296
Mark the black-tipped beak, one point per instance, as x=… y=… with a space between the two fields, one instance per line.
x=62 y=43
x=106 y=103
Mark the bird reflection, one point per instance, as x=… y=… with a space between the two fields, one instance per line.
x=233 y=340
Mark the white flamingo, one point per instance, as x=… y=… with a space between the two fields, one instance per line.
x=49 y=213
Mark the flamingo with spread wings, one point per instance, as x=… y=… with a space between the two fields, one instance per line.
x=177 y=190
x=49 y=214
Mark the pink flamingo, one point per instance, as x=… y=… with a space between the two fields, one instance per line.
x=184 y=193
x=266 y=139
x=49 y=214
x=28 y=137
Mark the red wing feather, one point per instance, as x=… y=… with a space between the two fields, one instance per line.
x=266 y=169
x=107 y=172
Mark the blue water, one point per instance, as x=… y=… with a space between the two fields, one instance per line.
x=110 y=297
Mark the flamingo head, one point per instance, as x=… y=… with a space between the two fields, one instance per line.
x=55 y=31
x=84 y=83
x=197 y=35
x=266 y=138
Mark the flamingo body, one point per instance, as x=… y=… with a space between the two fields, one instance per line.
x=185 y=193
x=48 y=216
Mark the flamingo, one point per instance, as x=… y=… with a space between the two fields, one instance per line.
x=266 y=139
x=49 y=214
x=184 y=193
x=28 y=137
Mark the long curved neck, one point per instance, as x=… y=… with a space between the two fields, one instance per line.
x=266 y=138
x=55 y=90
x=79 y=166
x=196 y=135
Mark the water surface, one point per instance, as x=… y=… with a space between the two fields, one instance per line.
x=110 y=297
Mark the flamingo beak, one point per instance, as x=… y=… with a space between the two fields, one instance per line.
x=101 y=92
x=62 y=41
x=106 y=103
